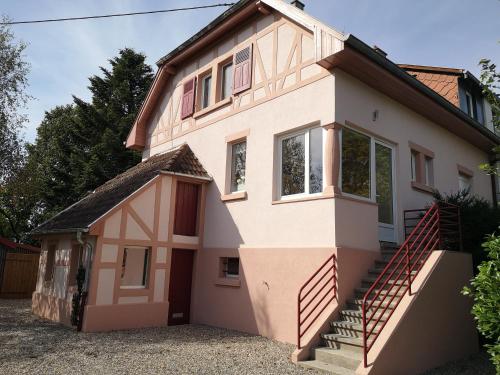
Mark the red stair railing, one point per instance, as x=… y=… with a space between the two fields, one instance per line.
x=311 y=297
x=437 y=228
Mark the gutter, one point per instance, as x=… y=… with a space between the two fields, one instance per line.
x=59 y=231
x=385 y=63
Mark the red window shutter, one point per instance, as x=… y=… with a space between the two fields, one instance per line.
x=187 y=105
x=242 y=70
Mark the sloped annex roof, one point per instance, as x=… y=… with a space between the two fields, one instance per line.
x=86 y=211
x=4 y=242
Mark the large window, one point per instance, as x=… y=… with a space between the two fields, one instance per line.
x=238 y=166
x=135 y=267
x=356 y=178
x=301 y=164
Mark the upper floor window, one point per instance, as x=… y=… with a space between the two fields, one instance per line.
x=470 y=105
x=206 y=85
x=301 y=162
x=226 y=83
x=421 y=167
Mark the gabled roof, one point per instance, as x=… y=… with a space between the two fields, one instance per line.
x=332 y=50
x=93 y=206
x=4 y=242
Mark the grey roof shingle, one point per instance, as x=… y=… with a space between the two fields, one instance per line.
x=84 y=212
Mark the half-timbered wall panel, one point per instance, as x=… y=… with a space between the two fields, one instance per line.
x=283 y=59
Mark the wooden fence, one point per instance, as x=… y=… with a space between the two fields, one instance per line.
x=19 y=275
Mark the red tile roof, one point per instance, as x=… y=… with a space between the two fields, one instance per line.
x=442 y=80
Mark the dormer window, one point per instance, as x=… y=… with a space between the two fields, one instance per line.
x=470 y=105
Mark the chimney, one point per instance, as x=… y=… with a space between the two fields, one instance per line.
x=379 y=50
x=298 y=4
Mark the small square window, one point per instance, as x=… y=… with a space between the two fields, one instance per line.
x=135 y=267
x=230 y=267
x=206 y=84
x=238 y=166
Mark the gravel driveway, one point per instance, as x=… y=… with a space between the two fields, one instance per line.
x=29 y=345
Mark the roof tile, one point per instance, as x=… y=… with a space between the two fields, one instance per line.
x=84 y=212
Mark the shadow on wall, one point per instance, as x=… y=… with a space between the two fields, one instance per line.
x=52 y=308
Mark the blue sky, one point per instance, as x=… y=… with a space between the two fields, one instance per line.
x=454 y=33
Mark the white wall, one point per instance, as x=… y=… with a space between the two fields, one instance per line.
x=355 y=102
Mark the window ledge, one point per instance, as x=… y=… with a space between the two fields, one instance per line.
x=304 y=199
x=212 y=108
x=354 y=198
x=240 y=195
x=423 y=188
x=230 y=282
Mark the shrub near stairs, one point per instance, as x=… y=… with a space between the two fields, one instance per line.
x=485 y=290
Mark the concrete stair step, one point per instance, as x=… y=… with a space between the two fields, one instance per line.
x=333 y=340
x=356 y=316
x=342 y=358
x=360 y=292
x=326 y=367
x=369 y=280
x=350 y=329
x=357 y=303
x=375 y=272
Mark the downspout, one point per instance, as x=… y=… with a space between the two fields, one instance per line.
x=87 y=257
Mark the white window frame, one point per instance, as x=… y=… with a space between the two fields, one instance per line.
x=413 y=165
x=231 y=145
x=429 y=170
x=306 y=132
x=148 y=265
x=202 y=94
x=222 y=67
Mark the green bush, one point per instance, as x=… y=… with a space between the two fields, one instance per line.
x=485 y=290
x=479 y=219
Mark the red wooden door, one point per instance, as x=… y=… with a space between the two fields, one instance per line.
x=186 y=209
x=179 y=291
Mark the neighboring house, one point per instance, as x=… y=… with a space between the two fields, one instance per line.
x=18 y=269
x=273 y=147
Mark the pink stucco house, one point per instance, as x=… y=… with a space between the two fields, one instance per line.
x=280 y=159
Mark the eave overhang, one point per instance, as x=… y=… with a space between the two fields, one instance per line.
x=362 y=62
